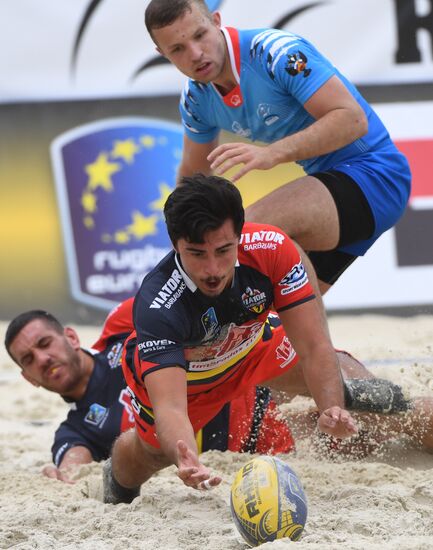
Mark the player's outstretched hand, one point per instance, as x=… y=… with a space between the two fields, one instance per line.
x=55 y=473
x=252 y=157
x=337 y=422
x=192 y=472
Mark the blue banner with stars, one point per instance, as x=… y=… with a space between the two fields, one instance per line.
x=113 y=178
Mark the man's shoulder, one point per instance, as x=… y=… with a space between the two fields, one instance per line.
x=163 y=286
x=263 y=243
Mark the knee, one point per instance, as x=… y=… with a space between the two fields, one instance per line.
x=375 y=395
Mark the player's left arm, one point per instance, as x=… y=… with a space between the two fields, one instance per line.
x=339 y=121
x=304 y=324
x=72 y=459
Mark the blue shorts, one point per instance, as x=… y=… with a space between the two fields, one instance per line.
x=385 y=179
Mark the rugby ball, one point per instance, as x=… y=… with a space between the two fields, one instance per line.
x=267 y=501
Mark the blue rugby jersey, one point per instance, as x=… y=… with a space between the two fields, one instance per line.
x=277 y=72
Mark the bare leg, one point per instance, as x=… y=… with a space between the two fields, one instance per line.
x=292 y=382
x=304 y=209
x=417 y=423
x=134 y=461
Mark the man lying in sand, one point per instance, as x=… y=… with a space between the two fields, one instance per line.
x=91 y=381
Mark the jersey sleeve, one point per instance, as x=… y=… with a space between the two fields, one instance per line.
x=274 y=254
x=159 y=339
x=291 y=62
x=194 y=107
x=68 y=437
x=118 y=323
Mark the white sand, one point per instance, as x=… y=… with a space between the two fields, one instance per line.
x=384 y=502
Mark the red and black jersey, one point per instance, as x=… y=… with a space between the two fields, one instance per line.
x=177 y=325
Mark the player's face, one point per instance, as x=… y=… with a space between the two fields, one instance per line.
x=211 y=265
x=195 y=45
x=48 y=358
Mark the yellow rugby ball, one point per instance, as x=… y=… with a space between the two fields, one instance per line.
x=267 y=501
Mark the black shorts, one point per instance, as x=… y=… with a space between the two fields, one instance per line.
x=356 y=224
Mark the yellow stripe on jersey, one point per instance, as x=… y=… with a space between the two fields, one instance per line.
x=211 y=373
x=199 y=441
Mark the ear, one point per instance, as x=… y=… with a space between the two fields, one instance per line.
x=216 y=18
x=30 y=379
x=72 y=337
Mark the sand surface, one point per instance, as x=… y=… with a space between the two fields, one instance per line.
x=382 y=502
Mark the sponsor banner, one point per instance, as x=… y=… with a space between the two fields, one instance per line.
x=112 y=178
x=100 y=48
x=398 y=269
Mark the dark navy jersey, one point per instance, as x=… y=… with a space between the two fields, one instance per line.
x=102 y=414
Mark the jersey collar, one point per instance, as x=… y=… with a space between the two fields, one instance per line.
x=234 y=98
x=188 y=281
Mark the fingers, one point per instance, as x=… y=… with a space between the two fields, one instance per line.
x=337 y=422
x=209 y=484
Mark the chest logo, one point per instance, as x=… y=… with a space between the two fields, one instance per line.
x=210 y=324
x=254 y=300
x=96 y=415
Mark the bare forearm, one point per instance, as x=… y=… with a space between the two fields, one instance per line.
x=75 y=457
x=323 y=378
x=333 y=131
x=172 y=426
x=72 y=459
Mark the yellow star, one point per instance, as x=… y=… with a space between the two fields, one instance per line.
x=164 y=192
x=100 y=172
x=125 y=149
x=88 y=202
x=142 y=226
x=121 y=237
x=148 y=142
x=89 y=222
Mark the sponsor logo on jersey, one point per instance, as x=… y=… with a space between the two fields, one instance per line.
x=113 y=177
x=295 y=279
x=114 y=356
x=170 y=292
x=96 y=415
x=254 y=300
x=155 y=345
x=297 y=64
x=210 y=324
x=261 y=240
x=233 y=343
x=285 y=352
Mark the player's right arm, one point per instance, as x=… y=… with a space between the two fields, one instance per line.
x=72 y=459
x=167 y=391
x=194 y=157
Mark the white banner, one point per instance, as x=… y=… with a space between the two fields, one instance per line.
x=93 y=49
x=398 y=269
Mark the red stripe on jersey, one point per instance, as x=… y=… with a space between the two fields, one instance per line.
x=233 y=98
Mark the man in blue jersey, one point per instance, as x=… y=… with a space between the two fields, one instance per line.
x=275 y=87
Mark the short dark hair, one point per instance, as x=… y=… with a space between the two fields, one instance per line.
x=160 y=13
x=201 y=204
x=23 y=319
